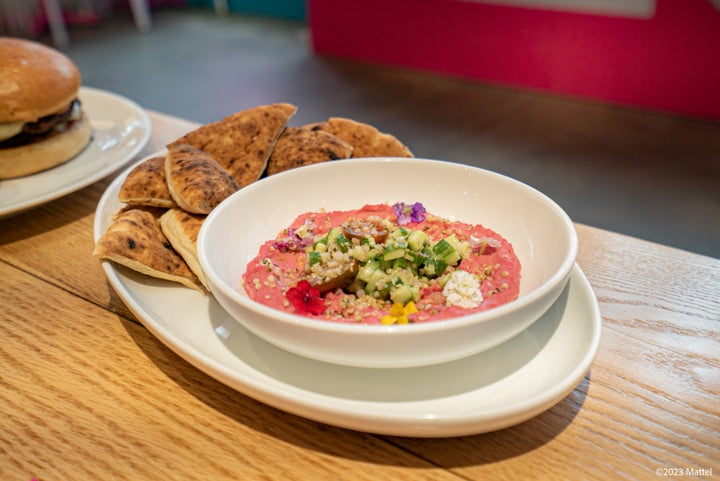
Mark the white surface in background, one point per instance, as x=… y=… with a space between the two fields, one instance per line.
x=622 y=8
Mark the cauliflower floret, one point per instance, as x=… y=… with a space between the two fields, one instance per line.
x=463 y=289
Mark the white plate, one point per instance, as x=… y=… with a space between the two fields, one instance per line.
x=492 y=390
x=120 y=130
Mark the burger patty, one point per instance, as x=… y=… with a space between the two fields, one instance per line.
x=45 y=127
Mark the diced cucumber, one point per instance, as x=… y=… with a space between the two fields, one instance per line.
x=384 y=264
x=366 y=271
x=440 y=266
x=390 y=253
x=332 y=234
x=355 y=286
x=454 y=241
x=452 y=259
x=359 y=253
x=412 y=257
x=444 y=250
x=463 y=248
x=442 y=280
x=401 y=294
x=434 y=267
x=400 y=263
x=416 y=240
x=370 y=287
x=377 y=282
x=401 y=232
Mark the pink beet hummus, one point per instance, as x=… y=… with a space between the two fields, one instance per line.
x=488 y=258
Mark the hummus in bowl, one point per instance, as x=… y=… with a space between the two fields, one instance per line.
x=383 y=264
x=512 y=240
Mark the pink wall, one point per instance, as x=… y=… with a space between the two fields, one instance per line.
x=670 y=62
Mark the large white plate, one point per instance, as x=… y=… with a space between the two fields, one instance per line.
x=120 y=130
x=492 y=390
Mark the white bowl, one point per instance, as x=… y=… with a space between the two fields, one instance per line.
x=541 y=233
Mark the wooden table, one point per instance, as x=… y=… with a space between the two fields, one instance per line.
x=87 y=393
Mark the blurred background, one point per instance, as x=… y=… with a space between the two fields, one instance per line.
x=610 y=108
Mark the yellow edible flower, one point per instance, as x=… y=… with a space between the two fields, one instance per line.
x=399 y=314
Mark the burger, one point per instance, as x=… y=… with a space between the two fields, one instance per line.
x=42 y=123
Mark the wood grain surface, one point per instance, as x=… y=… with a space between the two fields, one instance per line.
x=88 y=393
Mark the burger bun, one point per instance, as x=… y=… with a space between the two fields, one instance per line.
x=35 y=80
x=44 y=154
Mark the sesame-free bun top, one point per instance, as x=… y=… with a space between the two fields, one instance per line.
x=35 y=80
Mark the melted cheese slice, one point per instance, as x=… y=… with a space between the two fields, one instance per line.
x=10 y=130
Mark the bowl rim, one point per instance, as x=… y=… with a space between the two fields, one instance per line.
x=556 y=278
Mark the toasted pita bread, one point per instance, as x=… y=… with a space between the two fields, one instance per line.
x=182 y=229
x=366 y=139
x=135 y=240
x=242 y=142
x=298 y=146
x=196 y=181
x=146 y=185
x=156 y=212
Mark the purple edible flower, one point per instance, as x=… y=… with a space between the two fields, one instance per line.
x=293 y=242
x=407 y=213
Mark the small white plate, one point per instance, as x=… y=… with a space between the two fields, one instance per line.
x=121 y=128
x=492 y=390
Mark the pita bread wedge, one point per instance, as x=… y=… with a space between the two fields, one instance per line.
x=135 y=240
x=182 y=229
x=196 y=181
x=242 y=142
x=146 y=185
x=156 y=212
x=298 y=146
x=366 y=139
